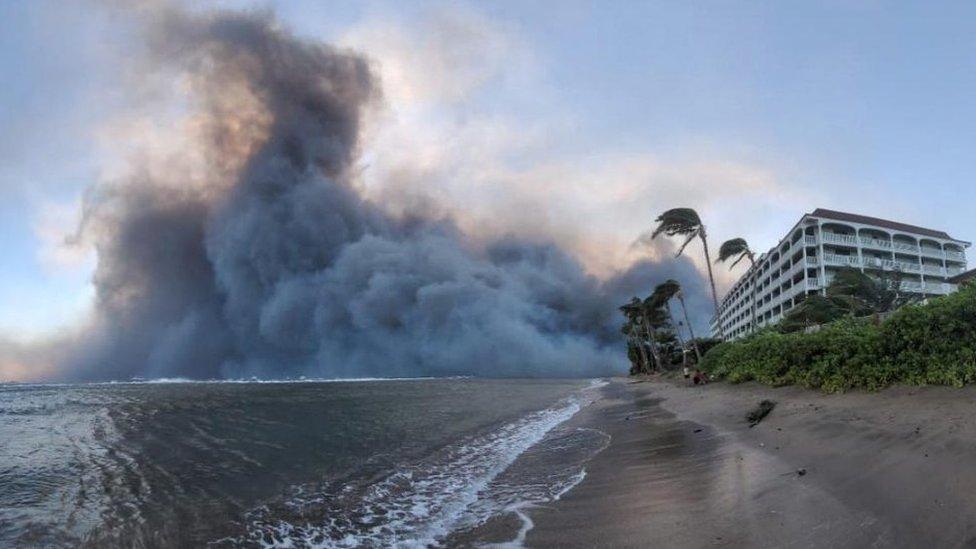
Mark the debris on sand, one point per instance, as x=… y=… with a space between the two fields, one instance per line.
x=757 y=415
x=801 y=472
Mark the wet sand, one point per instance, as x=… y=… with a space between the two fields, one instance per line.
x=684 y=469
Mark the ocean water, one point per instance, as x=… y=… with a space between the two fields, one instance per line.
x=366 y=463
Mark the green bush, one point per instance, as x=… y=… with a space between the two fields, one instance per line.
x=932 y=343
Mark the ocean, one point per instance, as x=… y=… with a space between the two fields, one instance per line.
x=362 y=463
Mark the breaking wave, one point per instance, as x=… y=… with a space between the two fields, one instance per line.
x=521 y=464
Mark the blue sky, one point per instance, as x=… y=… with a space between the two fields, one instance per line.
x=597 y=115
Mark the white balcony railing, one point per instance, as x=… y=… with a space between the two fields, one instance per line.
x=868 y=261
x=952 y=271
x=834 y=259
x=933 y=269
x=936 y=287
x=810 y=239
x=932 y=252
x=890 y=264
x=835 y=238
x=875 y=243
x=905 y=247
x=939 y=288
x=959 y=256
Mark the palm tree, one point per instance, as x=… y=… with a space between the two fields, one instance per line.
x=685 y=222
x=651 y=319
x=739 y=249
x=635 y=349
x=634 y=311
x=663 y=293
x=694 y=341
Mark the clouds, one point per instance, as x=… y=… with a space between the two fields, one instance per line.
x=506 y=153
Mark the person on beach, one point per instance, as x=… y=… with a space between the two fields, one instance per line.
x=700 y=377
x=687 y=372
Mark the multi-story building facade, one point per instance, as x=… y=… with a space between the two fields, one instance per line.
x=824 y=241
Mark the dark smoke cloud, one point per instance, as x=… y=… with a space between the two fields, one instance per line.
x=276 y=265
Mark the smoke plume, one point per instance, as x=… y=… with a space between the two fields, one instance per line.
x=253 y=253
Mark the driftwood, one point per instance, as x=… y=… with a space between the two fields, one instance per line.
x=761 y=411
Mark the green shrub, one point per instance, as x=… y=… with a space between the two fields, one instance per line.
x=935 y=343
x=932 y=343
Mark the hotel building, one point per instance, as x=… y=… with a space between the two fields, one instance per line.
x=806 y=259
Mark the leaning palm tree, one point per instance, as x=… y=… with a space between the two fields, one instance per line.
x=685 y=222
x=664 y=291
x=738 y=248
x=653 y=318
x=636 y=319
x=662 y=295
x=694 y=341
x=635 y=349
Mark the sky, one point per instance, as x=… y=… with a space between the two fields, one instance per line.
x=575 y=121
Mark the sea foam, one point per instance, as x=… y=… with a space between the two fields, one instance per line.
x=456 y=489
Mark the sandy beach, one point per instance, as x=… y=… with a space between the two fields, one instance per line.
x=684 y=469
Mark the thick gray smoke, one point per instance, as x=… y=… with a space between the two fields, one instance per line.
x=276 y=266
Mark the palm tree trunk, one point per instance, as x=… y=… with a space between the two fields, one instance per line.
x=691 y=332
x=677 y=332
x=711 y=280
x=640 y=350
x=653 y=344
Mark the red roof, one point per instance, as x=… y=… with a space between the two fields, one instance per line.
x=893 y=225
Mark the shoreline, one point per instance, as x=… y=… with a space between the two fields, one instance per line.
x=684 y=469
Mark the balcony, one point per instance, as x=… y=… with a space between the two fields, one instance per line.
x=844 y=260
x=931 y=252
x=904 y=247
x=952 y=271
x=889 y=264
x=810 y=240
x=939 y=288
x=934 y=270
x=798 y=288
x=875 y=243
x=812 y=260
x=876 y=262
x=958 y=256
x=845 y=239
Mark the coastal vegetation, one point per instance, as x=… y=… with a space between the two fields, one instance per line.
x=686 y=222
x=862 y=334
x=654 y=339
